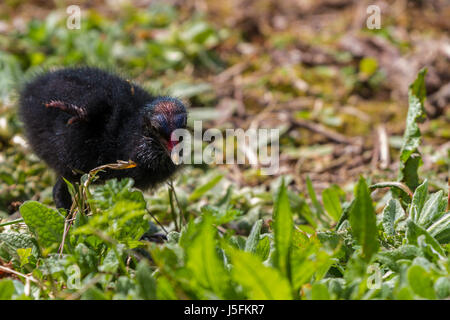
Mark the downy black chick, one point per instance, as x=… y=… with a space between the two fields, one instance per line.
x=77 y=119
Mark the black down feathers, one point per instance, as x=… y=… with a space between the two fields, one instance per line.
x=77 y=119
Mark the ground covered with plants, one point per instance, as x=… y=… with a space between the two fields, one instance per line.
x=359 y=209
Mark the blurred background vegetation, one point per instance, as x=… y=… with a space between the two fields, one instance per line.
x=336 y=90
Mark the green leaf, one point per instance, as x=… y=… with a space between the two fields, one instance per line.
x=413 y=232
x=392 y=213
x=442 y=287
x=6 y=289
x=421 y=282
x=46 y=223
x=263 y=248
x=409 y=155
x=363 y=221
x=10 y=242
x=164 y=290
x=308 y=260
x=121 y=212
x=221 y=215
x=146 y=282
x=283 y=227
x=312 y=195
x=319 y=291
x=440 y=230
x=204 y=263
x=70 y=187
x=24 y=256
x=331 y=202
x=432 y=210
x=392 y=258
x=260 y=282
x=418 y=200
x=94 y=294
x=253 y=239
x=201 y=190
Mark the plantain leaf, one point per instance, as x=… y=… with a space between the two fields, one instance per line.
x=433 y=209
x=413 y=232
x=259 y=282
x=410 y=158
x=46 y=223
x=331 y=202
x=283 y=226
x=392 y=213
x=418 y=200
x=421 y=282
x=362 y=220
x=251 y=244
x=204 y=263
x=440 y=230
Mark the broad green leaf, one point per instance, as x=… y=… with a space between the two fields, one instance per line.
x=413 y=232
x=392 y=213
x=440 y=230
x=124 y=222
x=10 y=242
x=204 y=263
x=46 y=223
x=164 y=290
x=253 y=239
x=442 y=287
x=263 y=248
x=110 y=263
x=363 y=221
x=259 y=282
x=146 y=282
x=93 y=294
x=391 y=258
x=6 y=289
x=201 y=190
x=331 y=203
x=283 y=227
x=432 y=210
x=319 y=291
x=409 y=155
x=308 y=259
x=418 y=200
x=24 y=256
x=421 y=282
x=121 y=214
